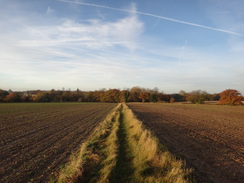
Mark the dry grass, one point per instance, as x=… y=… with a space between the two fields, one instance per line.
x=151 y=163
x=99 y=150
x=111 y=153
x=100 y=156
x=73 y=169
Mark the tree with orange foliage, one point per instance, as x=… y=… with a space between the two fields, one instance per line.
x=230 y=97
x=124 y=95
x=111 y=96
x=144 y=96
x=13 y=97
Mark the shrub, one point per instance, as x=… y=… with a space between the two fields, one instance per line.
x=172 y=100
x=197 y=97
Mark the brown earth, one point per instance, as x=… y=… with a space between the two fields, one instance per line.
x=36 y=139
x=209 y=138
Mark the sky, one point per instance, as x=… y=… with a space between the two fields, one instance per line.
x=170 y=44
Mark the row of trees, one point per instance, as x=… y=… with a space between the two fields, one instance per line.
x=135 y=94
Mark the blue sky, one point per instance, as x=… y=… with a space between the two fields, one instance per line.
x=170 y=44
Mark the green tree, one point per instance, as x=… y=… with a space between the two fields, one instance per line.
x=3 y=94
x=154 y=97
x=197 y=96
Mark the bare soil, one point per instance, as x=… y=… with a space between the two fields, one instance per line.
x=36 y=139
x=210 y=138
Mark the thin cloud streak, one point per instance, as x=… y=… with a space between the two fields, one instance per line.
x=182 y=51
x=156 y=16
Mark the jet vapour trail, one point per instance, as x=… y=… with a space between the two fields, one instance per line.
x=153 y=15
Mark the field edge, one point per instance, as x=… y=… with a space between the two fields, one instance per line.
x=121 y=145
x=75 y=168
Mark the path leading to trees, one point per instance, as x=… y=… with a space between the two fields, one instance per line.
x=121 y=150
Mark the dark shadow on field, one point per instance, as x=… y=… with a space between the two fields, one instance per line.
x=124 y=168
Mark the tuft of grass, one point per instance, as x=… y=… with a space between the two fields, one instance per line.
x=73 y=169
x=152 y=164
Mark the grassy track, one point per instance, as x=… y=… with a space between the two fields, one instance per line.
x=122 y=150
x=124 y=168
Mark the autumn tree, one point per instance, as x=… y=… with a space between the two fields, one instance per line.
x=124 y=96
x=25 y=98
x=99 y=95
x=89 y=96
x=42 y=96
x=230 y=97
x=111 y=96
x=163 y=97
x=13 y=97
x=55 y=96
x=134 y=94
x=144 y=96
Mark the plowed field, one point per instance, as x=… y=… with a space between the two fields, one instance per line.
x=35 y=139
x=209 y=137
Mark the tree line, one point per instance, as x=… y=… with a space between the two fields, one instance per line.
x=135 y=94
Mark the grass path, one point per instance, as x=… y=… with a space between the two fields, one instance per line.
x=124 y=168
x=122 y=150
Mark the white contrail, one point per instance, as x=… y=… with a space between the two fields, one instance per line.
x=153 y=15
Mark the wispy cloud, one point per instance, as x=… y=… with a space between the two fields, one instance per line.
x=156 y=16
x=81 y=51
x=182 y=51
x=92 y=34
x=50 y=10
